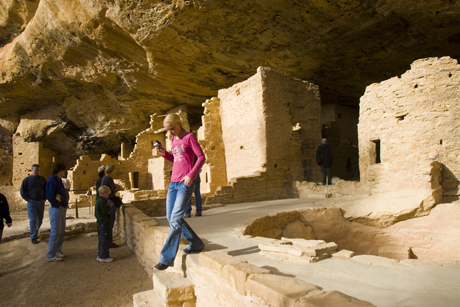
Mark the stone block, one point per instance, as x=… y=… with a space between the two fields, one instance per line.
x=172 y=287
x=278 y=291
x=215 y=260
x=331 y=299
x=281 y=248
x=343 y=254
x=236 y=274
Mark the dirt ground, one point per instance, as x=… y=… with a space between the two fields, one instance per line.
x=27 y=279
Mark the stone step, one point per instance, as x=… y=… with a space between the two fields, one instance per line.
x=172 y=288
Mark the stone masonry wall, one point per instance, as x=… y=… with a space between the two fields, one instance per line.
x=292 y=110
x=271 y=123
x=27 y=153
x=415 y=119
x=214 y=172
x=244 y=132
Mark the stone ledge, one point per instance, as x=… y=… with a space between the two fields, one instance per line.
x=236 y=274
x=216 y=260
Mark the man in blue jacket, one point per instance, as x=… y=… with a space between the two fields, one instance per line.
x=324 y=159
x=57 y=196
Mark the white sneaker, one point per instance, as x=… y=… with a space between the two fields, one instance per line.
x=53 y=259
x=59 y=254
x=105 y=259
x=97 y=258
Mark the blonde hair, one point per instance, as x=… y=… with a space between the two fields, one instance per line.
x=109 y=168
x=103 y=189
x=173 y=119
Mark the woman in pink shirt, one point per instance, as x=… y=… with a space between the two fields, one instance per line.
x=184 y=147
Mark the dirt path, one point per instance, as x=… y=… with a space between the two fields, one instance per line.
x=27 y=279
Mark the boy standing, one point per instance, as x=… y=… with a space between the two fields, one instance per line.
x=104 y=229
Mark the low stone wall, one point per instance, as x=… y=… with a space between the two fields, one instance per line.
x=259 y=187
x=142 y=234
x=220 y=279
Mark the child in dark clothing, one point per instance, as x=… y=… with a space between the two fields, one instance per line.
x=103 y=224
x=4 y=214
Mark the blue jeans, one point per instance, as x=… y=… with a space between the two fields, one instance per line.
x=57 y=231
x=104 y=232
x=196 y=191
x=35 y=210
x=176 y=201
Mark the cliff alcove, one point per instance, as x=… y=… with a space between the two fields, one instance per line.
x=86 y=76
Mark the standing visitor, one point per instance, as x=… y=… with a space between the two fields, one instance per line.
x=324 y=159
x=4 y=214
x=57 y=196
x=183 y=147
x=104 y=229
x=107 y=180
x=33 y=191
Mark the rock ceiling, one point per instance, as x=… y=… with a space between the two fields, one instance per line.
x=83 y=75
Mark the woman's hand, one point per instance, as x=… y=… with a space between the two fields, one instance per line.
x=187 y=180
x=160 y=149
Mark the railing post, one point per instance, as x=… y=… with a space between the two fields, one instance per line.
x=76 y=207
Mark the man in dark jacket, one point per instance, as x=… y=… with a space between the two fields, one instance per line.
x=324 y=159
x=33 y=191
x=4 y=214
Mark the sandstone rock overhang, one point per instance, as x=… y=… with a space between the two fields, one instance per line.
x=106 y=67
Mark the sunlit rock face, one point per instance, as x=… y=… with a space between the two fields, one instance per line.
x=84 y=75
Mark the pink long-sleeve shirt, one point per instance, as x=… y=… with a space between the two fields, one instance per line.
x=183 y=151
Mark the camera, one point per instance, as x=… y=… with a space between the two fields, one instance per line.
x=157 y=143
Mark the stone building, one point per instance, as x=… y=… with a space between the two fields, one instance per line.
x=270 y=128
x=27 y=153
x=409 y=136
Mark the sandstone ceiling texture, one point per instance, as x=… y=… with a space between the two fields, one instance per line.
x=83 y=75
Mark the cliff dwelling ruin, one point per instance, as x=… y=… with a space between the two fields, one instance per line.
x=260 y=84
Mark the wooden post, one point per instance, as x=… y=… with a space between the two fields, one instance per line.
x=76 y=207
